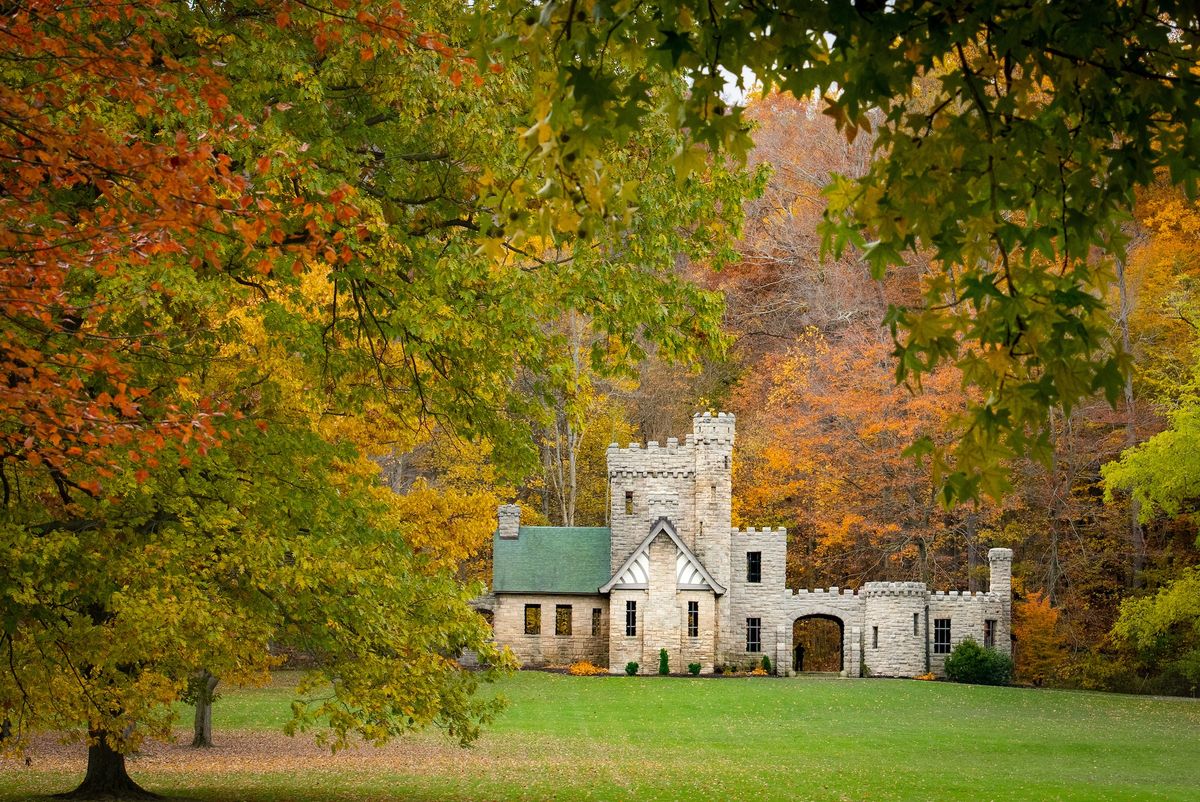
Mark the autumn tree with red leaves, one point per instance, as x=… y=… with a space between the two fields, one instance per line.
x=243 y=246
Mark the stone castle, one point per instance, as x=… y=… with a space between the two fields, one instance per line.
x=670 y=572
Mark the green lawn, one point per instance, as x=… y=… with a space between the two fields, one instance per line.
x=652 y=738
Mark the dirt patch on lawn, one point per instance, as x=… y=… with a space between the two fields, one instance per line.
x=266 y=751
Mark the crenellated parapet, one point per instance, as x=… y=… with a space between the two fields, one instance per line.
x=652 y=459
x=753 y=530
x=876 y=590
x=820 y=592
x=714 y=429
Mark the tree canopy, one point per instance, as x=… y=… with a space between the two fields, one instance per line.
x=1015 y=135
x=246 y=246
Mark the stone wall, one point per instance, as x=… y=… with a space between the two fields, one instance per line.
x=690 y=483
x=967 y=613
x=894 y=632
x=547 y=648
x=622 y=648
x=754 y=599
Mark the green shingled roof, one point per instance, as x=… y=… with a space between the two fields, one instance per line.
x=551 y=559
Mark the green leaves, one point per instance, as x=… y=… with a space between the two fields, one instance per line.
x=1010 y=140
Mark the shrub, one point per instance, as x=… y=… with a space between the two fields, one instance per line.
x=664 y=667
x=584 y=668
x=928 y=676
x=631 y=668
x=693 y=668
x=970 y=662
x=759 y=671
x=766 y=664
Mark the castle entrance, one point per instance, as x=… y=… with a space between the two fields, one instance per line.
x=817 y=644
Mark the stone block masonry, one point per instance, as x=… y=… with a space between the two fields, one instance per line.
x=547 y=647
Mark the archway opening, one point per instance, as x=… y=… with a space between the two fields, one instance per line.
x=817 y=642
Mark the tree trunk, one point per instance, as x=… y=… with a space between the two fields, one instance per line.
x=972 y=534
x=206 y=683
x=1137 y=538
x=106 y=776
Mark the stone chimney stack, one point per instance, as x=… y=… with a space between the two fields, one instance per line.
x=1000 y=561
x=509 y=518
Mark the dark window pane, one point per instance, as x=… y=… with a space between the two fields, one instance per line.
x=533 y=619
x=630 y=618
x=941 y=636
x=693 y=619
x=562 y=619
x=595 y=620
x=754 y=634
x=754 y=566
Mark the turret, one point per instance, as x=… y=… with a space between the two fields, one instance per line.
x=894 y=635
x=1000 y=561
x=714 y=429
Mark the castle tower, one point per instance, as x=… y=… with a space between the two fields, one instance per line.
x=894 y=628
x=1000 y=562
x=713 y=437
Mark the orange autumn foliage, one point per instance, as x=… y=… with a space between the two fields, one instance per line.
x=1039 y=651
x=131 y=186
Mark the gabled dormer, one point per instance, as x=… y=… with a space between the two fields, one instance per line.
x=690 y=573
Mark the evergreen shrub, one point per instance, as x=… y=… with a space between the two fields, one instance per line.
x=970 y=662
x=664 y=666
x=631 y=668
x=693 y=668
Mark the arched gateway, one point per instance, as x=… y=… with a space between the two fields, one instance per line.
x=818 y=644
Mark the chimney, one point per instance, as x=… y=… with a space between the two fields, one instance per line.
x=509 y=518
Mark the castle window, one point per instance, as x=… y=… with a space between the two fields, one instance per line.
x=630 y=618
x=533 y=619
x=989 y=633
x=754 y=566
x=595 y=621
x=727 y=463
x=562 y=619
x=916 y=623
x=754 y=634
x=693 y=619
x=629 y=502
x=874 y=637
x=941 y=636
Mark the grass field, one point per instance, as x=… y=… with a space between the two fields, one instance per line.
x=745 y=739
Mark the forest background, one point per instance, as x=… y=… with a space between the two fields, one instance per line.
x=823 y=428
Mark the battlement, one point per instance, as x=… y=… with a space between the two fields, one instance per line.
x=652 y=459
x=874 y=590
x=962 y=595
x=834 y=591
x=766 y=530
x=710 y=428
